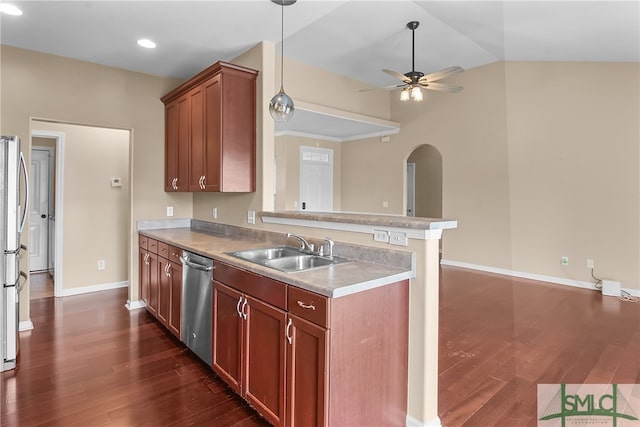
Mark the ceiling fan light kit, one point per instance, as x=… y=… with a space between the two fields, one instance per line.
x=414 y=81
x=281 y=105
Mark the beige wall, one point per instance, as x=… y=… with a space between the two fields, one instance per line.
x=55 y=88
x=96 y=215
x=287 y=153
x=538 y=163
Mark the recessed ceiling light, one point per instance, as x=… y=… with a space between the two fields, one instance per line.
x=10 y=9
x=146 y=43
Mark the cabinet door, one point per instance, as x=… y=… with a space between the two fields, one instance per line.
x=175 y=311
x=196 y=139
x=264 y=363
x=212 y=134
x=152 y=304
x=227 y=335
x=177 y=115
x=144 y=275
x=307 y=367
x=164 y=290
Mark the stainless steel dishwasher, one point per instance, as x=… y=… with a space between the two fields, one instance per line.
x=197 y=288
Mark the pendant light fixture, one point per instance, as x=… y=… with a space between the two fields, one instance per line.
x=281 y=105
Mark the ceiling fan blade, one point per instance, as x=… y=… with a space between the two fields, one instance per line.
x=441 y=87
x=391 y=87
x=438 y=75
x=398 y=75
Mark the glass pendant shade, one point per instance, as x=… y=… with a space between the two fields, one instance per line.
x=404 y=95
x=416 y=93
x=281 y=106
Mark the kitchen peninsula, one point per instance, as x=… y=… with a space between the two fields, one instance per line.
x=323 y=358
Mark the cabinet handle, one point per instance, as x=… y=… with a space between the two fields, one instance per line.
x=167 y=270
x=204 y=178
x=244 y=312
x=306 y=307
x=286 y=332
x=238 y=307
x=146 y=259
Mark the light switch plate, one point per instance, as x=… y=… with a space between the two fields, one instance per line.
x=169 y=210
x=251 y=217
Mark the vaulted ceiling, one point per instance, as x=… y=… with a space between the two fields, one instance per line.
x=357 y=38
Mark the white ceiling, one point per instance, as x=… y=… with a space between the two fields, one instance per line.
x=357 y=38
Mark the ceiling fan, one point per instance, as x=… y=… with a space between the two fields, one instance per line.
x=414 y=80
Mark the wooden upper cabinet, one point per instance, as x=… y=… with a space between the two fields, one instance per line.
x=211 y=122
x=177 y=119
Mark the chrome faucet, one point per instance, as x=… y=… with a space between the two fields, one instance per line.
x=304 y=245
x=329 y=251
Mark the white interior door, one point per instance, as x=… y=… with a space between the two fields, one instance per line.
x=39 y=210
x=316 y=179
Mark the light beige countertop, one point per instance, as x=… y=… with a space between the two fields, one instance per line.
x=331 y=281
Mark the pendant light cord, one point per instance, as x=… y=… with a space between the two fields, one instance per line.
x=282 y=49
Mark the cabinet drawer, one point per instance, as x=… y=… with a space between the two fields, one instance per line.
x=174 y=254
x=265 y=289
x=152 y=245
x=144 y=242
x=163 y=250
x=309 y=306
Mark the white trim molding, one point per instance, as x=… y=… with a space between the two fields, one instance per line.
x=414 y=422
x=25 y=325
x=94 y=288
x=532 y=276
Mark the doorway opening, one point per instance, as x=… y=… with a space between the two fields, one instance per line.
x=424 y=182
x=89 y=207
x=42 y=217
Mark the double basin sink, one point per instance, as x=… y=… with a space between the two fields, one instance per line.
x=287 y=259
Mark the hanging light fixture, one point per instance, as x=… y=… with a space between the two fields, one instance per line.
x=281 y=105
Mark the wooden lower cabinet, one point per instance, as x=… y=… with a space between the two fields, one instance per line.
x=306 y=373
x=161 y=282
x=249 y=349
x=175 y=310
x=309 y=360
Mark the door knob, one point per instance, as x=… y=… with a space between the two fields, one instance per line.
x=43 y=216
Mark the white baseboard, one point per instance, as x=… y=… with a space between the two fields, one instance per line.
x=413 y=422
x=25 y=325
x=134 y=305
x=94 y=288
x=532 y=276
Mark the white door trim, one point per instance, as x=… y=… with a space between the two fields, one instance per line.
x=59 y=190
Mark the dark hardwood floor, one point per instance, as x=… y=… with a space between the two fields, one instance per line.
x=40 y=285
x=91 y=362
x=501 y=336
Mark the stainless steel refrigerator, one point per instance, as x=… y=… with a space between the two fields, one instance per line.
x=13 y=216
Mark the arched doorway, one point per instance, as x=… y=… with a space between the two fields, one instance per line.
x=424 y=182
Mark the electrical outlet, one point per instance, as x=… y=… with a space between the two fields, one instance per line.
x=564 y=260
x=591 y=264
x=214 y=213
x=385 y=204
x=169 y=210
x=398 y=238
x=101 y=264
x=251 y=217
x=381 y=236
